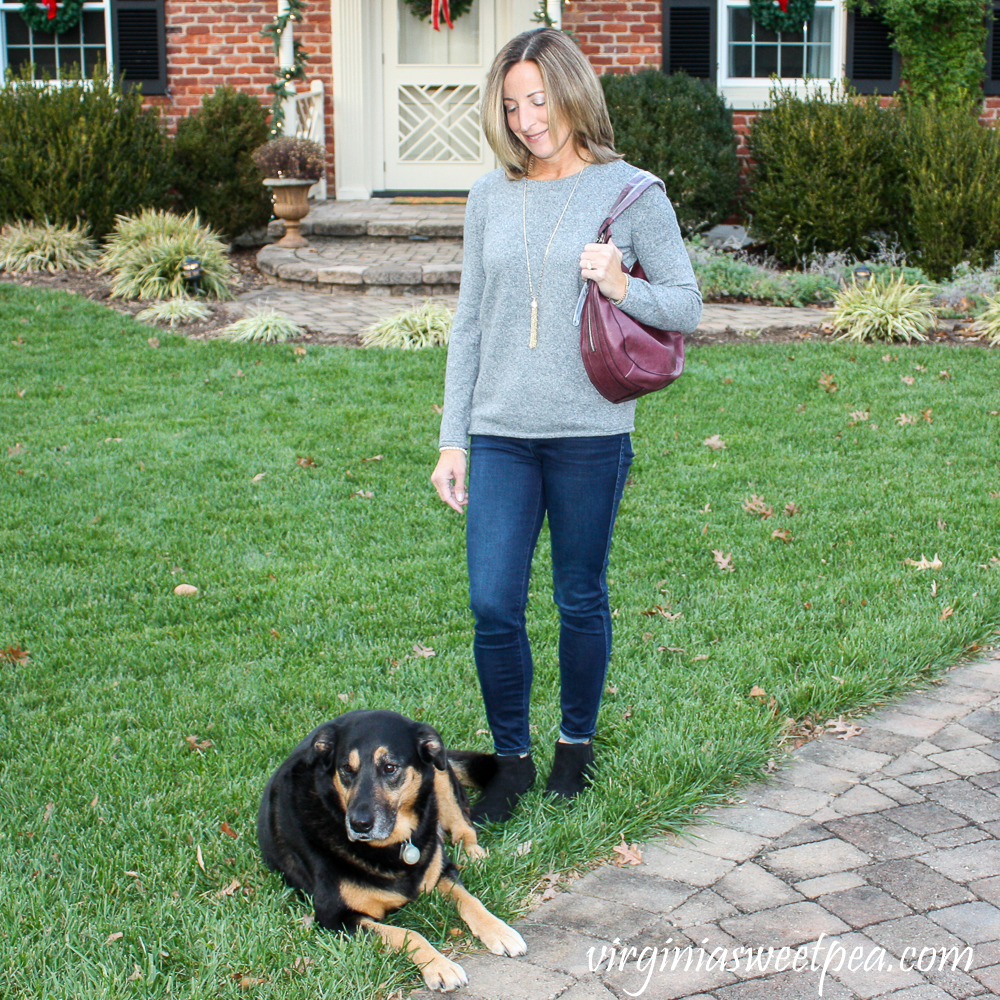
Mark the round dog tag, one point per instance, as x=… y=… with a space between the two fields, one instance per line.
x=409 y=853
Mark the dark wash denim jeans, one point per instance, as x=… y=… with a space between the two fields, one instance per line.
x=513 y=484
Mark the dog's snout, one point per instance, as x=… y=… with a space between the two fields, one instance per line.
x=360 y=821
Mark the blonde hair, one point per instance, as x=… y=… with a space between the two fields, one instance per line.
x=572 y=91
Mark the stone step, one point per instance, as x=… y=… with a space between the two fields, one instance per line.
x=366 y=266
x=378 y=217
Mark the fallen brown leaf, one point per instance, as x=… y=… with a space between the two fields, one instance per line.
x=658 y=609
x=908 y=379
x=298 y=350
x=305 y=461
x=229 y=889
x=116 y=936
x=714 y=442
x=374 y=458
x=228 y=830
x=423 y=651
x=436 y=408
x=926 y=414
x=756 y=505
x=199 y=858
x=16 y=449
x=723 y=561
x=858 y=415
x=671 y=649
x=924 y=563
x=239 y=374
x=757 y=692
x=363 y=495
x=258 y=477
x=905 y=418
x=782 y=534
x=628 y=854
x=153 y=341
x=701 y=656
x=302 y=963
x=826 y=382
x=791 y=509
x=194 y=744
x=14 y=654
x=49 y=809
x=136 y=973
x=946 y=613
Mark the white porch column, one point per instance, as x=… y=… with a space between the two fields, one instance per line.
x=286 y=60
x=355 y=113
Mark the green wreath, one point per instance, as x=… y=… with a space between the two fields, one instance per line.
x=422 y=9
x=37 y=18
x=788 y=17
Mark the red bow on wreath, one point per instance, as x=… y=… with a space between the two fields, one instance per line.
x=437 y=7
x=51 y=4
x=783 y=4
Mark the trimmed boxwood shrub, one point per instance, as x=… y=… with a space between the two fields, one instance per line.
x=826 y=176
x=952 y=188
x=213 y=171
x=680 y=129
x=85 y=150
x=840 y=175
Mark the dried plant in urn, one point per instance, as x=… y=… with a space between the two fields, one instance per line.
x=290 y=167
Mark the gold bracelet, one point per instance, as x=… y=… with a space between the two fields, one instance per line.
x=618 y=302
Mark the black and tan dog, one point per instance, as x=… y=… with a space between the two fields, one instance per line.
x=355 y=818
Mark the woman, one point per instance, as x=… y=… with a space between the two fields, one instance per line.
x=543 y=441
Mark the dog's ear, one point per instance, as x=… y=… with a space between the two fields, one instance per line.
x=323 y=746
x=430 y=747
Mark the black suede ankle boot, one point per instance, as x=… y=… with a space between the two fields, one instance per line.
x=570 y=769
x=515 y=775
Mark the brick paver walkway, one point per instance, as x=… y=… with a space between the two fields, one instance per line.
x=865 y=853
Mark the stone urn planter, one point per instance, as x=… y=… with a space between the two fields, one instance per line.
x=290 y=167
x=291 y=204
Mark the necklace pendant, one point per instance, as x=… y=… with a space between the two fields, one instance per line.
x=410 y=853
x=533 y=339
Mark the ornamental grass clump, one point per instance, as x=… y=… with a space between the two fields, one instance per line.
x=428 y=325
x=28 y=247
x=884 y=309
x=266 y=326
x=988 y=325
x=145 y=254
x=174 y=312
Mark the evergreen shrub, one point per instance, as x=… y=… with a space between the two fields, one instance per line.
x=952 y=187
x=679 y=128
x=827 y=175
x=84 y=151
x=213 y=171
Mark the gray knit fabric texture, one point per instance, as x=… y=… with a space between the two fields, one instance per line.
x=495 y=383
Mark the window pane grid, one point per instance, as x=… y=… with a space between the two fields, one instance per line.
x=82 y=46
x=756 y=52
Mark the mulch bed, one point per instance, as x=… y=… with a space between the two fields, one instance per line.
x=97 y=288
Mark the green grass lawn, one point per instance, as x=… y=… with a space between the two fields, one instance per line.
x=127 y=469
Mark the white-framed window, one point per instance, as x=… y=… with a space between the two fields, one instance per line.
x=83 y=46
x=751 y=58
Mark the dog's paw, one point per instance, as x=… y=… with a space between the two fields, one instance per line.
x=502 y=939
x=443 y=975
x=474 y=852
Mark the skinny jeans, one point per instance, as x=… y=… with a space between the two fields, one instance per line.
x=513 y=484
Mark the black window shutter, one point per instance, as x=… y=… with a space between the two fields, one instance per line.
x=689 y=37
x=991 y=85
x=872 y=63
x=140 y=47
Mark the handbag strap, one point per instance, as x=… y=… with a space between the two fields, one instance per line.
x=639 y=184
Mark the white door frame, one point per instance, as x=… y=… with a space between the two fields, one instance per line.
x=359 y=152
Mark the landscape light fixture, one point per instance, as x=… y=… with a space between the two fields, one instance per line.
x=862 y=275
x=191 y=272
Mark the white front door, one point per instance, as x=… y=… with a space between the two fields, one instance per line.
x=432 y=86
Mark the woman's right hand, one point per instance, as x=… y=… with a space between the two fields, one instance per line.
x=448 y=478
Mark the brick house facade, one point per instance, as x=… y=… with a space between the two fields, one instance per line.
x=183 y=49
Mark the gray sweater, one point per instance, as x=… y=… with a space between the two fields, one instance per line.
x=495 y=384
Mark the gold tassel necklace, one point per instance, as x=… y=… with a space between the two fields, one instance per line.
x=533 y=339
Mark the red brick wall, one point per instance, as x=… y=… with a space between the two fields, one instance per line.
x=212 y=44
x=618 y=36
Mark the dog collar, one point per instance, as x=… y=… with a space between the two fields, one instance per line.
x=409 y=853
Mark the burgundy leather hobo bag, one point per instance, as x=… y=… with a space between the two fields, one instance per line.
x=624 y=358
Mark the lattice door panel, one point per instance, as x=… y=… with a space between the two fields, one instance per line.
x=439 y=124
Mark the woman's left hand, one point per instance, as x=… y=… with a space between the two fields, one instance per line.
x=602 y=262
